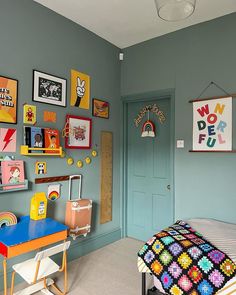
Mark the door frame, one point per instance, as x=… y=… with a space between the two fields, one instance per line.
x=142 y=97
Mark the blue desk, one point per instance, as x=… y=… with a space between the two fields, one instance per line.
x=28 y=235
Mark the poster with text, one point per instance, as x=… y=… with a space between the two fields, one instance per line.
x=8 y=100
x=212 y=125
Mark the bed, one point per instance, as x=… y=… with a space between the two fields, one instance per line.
x=220 y=234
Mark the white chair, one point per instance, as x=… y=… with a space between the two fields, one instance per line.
x=36 y=271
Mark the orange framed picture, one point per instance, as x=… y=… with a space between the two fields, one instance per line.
x=100 y=108
x=8 y=100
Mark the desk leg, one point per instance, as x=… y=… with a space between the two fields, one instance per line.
x=5 y=275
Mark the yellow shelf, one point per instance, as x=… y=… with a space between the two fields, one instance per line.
x=26 y=151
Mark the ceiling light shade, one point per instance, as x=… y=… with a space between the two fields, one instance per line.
x=174 y=10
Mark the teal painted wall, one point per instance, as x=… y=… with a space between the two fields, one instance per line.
x=187 y=61
x=33 y=37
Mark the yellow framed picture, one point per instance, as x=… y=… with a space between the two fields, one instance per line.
x=8 y=100
x=80 y=90
x=40 y=168
x=30 y=114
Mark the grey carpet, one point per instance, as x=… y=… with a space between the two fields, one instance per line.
x=111 y=270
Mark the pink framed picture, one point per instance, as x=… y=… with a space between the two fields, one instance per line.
x=8 y=140
x=79 y=132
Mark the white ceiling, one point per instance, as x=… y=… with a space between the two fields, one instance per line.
x=128 y=22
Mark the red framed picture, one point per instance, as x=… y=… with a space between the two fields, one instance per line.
x=79 y=132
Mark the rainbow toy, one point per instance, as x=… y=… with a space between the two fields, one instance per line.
x=7 y=219
x=148 y=129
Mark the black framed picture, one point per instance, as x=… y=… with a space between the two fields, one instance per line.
x=49 y=89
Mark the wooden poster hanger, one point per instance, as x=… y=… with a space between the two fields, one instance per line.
x=214 y=97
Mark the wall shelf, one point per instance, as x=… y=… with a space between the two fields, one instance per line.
x=26 y=151
x=55 y=179
x=25 y=187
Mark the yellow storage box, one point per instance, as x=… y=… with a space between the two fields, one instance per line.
x=38 y=206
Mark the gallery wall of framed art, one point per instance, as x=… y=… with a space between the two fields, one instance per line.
x=38 y=50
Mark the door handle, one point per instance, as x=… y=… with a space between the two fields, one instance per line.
x=168 y=187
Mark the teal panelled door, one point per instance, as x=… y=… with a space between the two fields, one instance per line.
x=149 y=197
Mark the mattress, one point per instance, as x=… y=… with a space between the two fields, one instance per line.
x=222 y=235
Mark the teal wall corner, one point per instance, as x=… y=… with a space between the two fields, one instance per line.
x=187 y=60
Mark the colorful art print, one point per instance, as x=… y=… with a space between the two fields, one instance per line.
x=30 y=114
x=8 y=100
x=40 y=168
x=212 y=125
x=52 y=140
x=49 y=89
x=80 y=90
x=54 y=191
x=100 y=108
x=34 y=138
x=49 y=116
x=12 y=173
x=79 y=135
x=8 y=140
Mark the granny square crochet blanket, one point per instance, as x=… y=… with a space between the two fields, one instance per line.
x=185 y=262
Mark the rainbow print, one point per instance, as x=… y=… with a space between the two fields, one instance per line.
x=7 y=219
x=53 y=196
x=148 y=129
